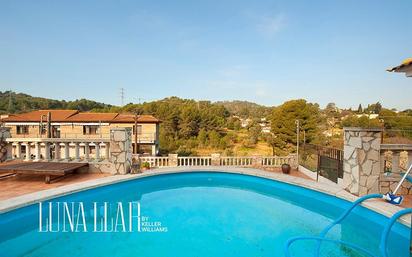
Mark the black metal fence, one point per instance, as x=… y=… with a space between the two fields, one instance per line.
x=326 y=162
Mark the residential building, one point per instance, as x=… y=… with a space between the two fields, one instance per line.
x=72 y=124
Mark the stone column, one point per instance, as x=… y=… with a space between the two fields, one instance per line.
x=56 y=151
x=395 y=162
x=173 y=160
x=66 y=152
x=18 y=150
x=37 y=151
x=5 y=147
x=97 y=149
x=409 y=160
x=154 y=150
x=76 y=152
x=361 y=161
x=257 y=161
x=107 y=151
x=86 y=152
x=28 y=152
x=215 y=159
x=121 y=149
x=47 y=151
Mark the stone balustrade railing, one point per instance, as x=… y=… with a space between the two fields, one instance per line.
x=60 y=149
x=194 y=161
x=395 y=159
x=173 y=160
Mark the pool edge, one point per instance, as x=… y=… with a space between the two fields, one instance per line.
x=24 y=200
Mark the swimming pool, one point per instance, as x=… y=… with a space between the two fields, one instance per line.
x=202 y=214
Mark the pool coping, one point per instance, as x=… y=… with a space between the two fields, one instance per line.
x=381 y=207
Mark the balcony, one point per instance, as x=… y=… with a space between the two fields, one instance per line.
x=143 y=138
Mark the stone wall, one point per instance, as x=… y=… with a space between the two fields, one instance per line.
x=361 y=161
x=389 y=183
x=121 y=149
x=5 y=148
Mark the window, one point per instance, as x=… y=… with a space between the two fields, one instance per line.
x=22 y=129
x=90 y=129
x=139 y=129
x=43 y=129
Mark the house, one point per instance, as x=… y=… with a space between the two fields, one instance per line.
x=369 y=116
x=405 y=67
x=72 y=124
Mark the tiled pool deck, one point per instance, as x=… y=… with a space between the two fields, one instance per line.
x=300 y=180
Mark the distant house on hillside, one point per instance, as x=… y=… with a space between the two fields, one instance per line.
x=370 y=116
x=74 y=124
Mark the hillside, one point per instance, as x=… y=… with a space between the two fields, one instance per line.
x=245 y=109
x=11 y=102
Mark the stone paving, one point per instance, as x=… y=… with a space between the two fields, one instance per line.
x=24 y=184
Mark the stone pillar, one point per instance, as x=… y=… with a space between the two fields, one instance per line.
x=37 y=151
x=66 y=152
x=5 y=147
x=361 y=160
x=173 y=160
x=107 y=151
x=409 y=160
x=76 y=152
x=18 y=150
x=395 y=162
x=28 y=151
x=154 y=150
x=86 y=152
x=215 y=159
x=257 y=161
x=47 y=151
x=97 y=149
x=57 y=151
x=121 y=149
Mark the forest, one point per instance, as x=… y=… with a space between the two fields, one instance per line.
x=191 y=127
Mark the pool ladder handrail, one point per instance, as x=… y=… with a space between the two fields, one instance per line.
x=321 y=237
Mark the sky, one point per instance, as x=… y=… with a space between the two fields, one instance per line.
x=263 y=51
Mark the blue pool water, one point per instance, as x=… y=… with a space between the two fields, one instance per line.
x=203 y=214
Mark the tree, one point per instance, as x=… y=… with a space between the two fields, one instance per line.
x=275 y=143
x=360 y=110
x=283 y=122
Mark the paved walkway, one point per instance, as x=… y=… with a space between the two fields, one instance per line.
x=25 y=184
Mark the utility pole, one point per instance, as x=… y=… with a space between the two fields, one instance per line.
x=122 y=96
x=10 y=101
x=297 y=140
